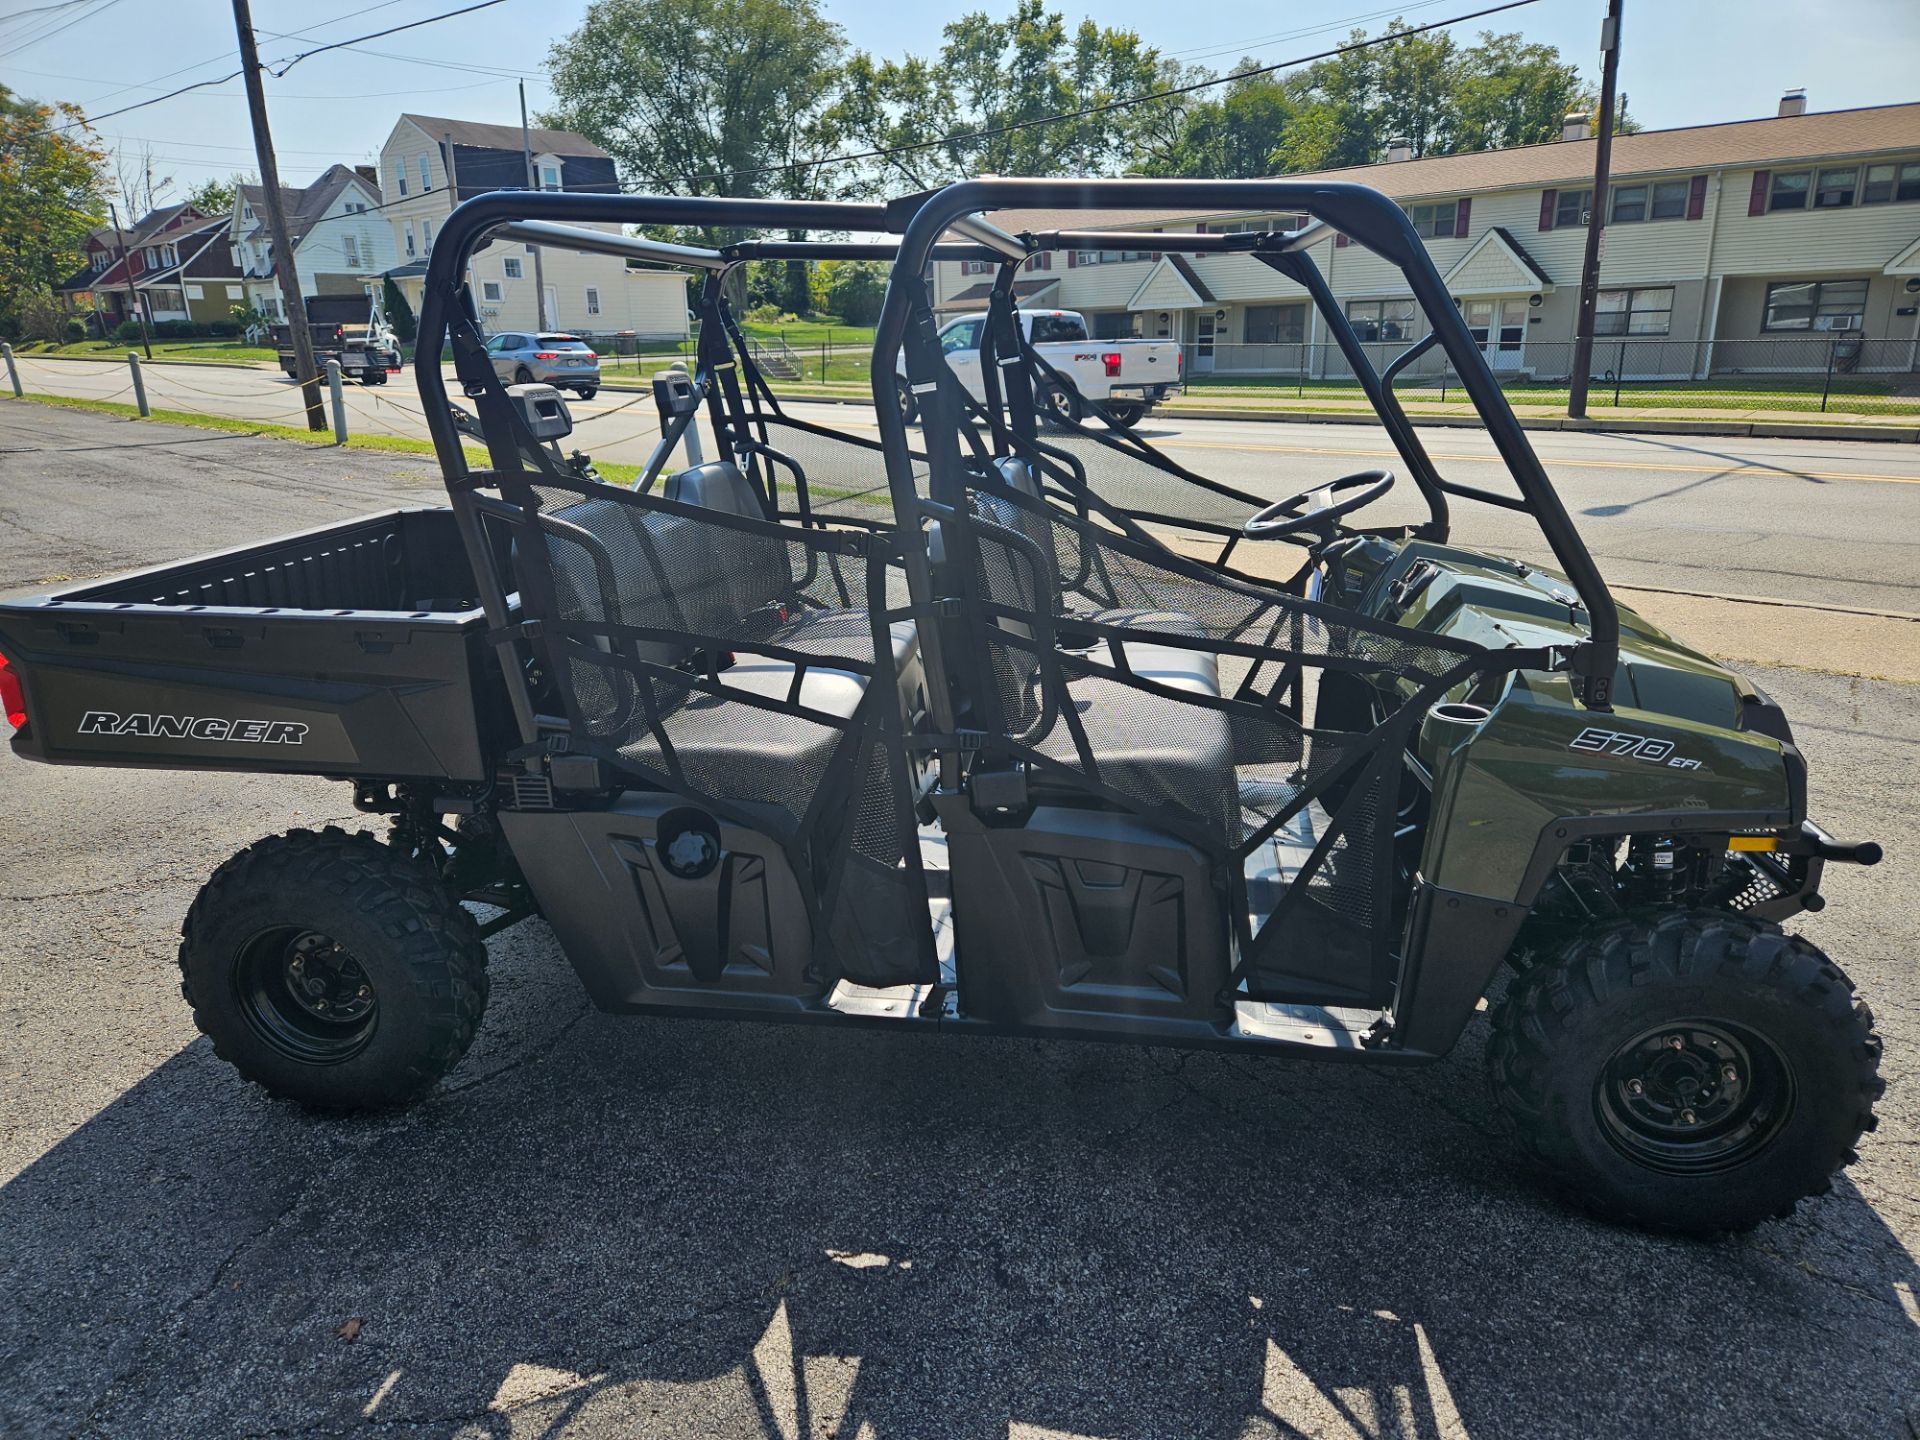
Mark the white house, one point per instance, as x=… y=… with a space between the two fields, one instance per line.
x=429 y=164
x=340 y=245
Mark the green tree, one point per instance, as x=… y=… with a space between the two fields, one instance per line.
x=695 y=96
x=51 y=181
x=215 y=196
x=855 y=288
x=399 y=313
x=1511 y=92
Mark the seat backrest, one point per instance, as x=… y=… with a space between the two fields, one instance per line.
x=718 y=485
x=1007 y=577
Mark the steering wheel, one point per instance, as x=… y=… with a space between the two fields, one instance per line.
x=1279 y=521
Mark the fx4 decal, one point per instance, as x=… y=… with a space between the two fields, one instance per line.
x=1596 y=740
x=189 y=727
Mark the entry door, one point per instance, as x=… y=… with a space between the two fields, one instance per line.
x=1499 y=328
x=1203 y=343
x=551 y=320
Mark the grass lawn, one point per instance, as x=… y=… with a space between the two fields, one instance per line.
x=1850 y=394
x=226 y=352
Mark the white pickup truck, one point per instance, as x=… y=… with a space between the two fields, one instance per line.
x=1127 y=377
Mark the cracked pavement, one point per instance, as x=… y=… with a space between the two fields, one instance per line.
x=624 y=1227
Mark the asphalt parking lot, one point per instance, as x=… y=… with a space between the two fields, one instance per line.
x=623 y=1227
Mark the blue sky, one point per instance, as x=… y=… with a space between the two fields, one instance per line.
x=1685 y=61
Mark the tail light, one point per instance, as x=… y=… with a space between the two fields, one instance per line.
x=12 y=698
x=546 y=354
x=1112 y=361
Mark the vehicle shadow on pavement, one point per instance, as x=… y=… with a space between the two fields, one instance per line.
x=638 y=1227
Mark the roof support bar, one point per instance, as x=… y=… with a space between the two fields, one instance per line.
x=602 y=242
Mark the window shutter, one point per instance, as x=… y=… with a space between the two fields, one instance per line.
x=1697 y=197
x=1340 y=240
x=1201 y=228
x=1073 y=258
x=1549 y=202
x=1757 y=201
x=1460 y=219
x=1154 y=255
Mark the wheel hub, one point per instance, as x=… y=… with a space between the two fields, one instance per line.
x=1694 y=1096
x=325 y=980
x=305 y=994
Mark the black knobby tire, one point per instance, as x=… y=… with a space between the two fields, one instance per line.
x=403 y=970
x=1699 y=1073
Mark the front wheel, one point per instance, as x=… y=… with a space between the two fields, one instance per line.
x=333 y=970
x=903 y=397
x=1699 y=1073
x=1058 y=403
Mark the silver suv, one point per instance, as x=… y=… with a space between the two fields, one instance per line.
x=566 y=361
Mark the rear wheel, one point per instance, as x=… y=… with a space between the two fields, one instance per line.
x=523 y=376
x=333 y=970
x=1127 y=416
x=587 y=392
x=1699 y=1073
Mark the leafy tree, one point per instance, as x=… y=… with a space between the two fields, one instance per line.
x=695 y=96
x=1510 y=92
x=399 y=313
x=215 y=196
x=855 y=288
x=51 y=177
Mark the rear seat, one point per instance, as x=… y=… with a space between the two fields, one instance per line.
x=672 y=572
x=1144 y=744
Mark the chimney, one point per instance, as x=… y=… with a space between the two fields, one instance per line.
x=1575 y=126
x=1398 y=149
x=367 y=173
x=1794 y=102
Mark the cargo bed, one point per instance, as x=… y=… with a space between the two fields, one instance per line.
x=357 y=649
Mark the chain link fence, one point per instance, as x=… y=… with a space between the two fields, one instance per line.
x=1816 y=374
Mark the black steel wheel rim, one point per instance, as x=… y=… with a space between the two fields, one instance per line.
x=305 y=995
x=1694 y=1097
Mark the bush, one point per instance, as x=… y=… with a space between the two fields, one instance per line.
x=76 y=331
x=175 y=330
x=223 y=329
x=127 y=331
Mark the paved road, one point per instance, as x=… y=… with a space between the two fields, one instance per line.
x=1816 y=521
x=616 y=1227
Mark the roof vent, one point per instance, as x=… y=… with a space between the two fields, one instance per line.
x=1398 y=149
x=1575 y=125
x=1794 y=102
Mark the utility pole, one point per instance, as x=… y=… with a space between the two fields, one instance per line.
x=1596 y=213
x=539 y=271
x=126 y=272
x=283 y=267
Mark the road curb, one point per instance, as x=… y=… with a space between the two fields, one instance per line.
x=255 y=366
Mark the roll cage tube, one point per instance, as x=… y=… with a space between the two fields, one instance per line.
x=1370 y=220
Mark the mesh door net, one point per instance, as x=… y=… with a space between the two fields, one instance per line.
x=763 y=670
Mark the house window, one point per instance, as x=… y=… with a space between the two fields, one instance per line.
x=426 y=235
x=409 y=233
x=1891 y=183
x=1274 y=225
x=1110 y=257
x=1662 y=200
x=1789 y=190
x=976 y=267
x=514 y=267
x=1836 y=187
x=549 y=177
x=350 y=248
x=1381 y=319
x=1043 y=260
x=1276 y=324
x=426 y=176
x=1113 y=325
x=246 y=212
x=195 y=292
x=1815 y=305
x=233 y=292
x=1436 y=221
x=400 y=175
x=99 y=262
x=1633 y=312
x=1570 y=207
x=491 y=290
x=593 y=300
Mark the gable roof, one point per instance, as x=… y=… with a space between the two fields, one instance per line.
x=1782 y=139
x=305 y=207
x=505 y=137
x=1497 y=277
x=1169 y=285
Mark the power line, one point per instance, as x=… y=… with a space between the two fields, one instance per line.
x=1213 y=51
x=46 y=34
x=993 y=131
x=375 y=35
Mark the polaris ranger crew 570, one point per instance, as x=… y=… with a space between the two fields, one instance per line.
x=981 y=726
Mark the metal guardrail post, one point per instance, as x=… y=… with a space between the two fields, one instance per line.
x=339 y=402
x=139 y=384
x=13 y=372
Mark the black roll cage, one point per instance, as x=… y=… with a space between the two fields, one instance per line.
x=1367 y=218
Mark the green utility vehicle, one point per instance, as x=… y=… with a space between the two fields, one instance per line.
x=984 y=727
